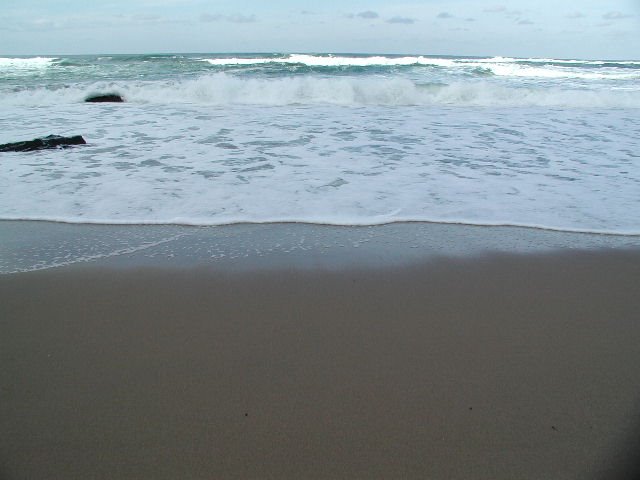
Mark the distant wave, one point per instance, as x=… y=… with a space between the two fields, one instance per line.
x=508 y=69
x=333 y=61
x=534 y=68
x=554 y=60
x=500 y=66
x=25 y=63
x=225 y=89
x=363 y=60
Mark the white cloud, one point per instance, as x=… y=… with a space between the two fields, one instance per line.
x=235 y=18
x=45 y=23
x=444 y=15
x=495 y=9
x=502 y=9
x=145 y=17
x=616 y=15
x=239 y=18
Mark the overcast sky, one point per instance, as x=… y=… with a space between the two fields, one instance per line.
x=602 y=29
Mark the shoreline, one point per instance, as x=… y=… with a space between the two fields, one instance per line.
x=34 y=245
x=311 y=223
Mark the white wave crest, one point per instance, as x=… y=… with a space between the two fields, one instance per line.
x=509 y=69
x=554 y=60
x=485 y=94
x=332 y=61
x=224 y=89
x=500 y=66
x=7 y=64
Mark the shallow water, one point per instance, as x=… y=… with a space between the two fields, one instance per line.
x=30 y=246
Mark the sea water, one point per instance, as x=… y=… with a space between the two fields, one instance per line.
x=209 y=139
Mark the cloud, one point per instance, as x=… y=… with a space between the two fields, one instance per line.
x=67 y=22
x=44 y=23
x=616 y=15
x=143 y=17
x=525 y=21
x=575 y=15
x=404 y=20
x=235 y=18
x=368 y=14
x=470 y=19
x=239 y=18
x=207 y=17
x=162 y=3
x=444 y=15
x=502 y=9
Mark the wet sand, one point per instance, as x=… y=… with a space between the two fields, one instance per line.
x=486 y=367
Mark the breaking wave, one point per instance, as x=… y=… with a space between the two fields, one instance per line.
x=499 y=66
x=225 y=89
x=533 y=68
x=333 y=61
x=25 y=63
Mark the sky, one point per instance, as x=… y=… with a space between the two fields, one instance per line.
x=589 y=29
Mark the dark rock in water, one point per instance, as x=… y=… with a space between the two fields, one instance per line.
x=52 y=141
x=104 y=98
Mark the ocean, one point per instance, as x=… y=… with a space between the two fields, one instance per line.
x=207 y=139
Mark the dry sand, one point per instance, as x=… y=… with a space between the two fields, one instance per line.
x=491 y=367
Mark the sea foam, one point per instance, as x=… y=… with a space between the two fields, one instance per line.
x=211 y=165
x=226 y=89
x=25 y=63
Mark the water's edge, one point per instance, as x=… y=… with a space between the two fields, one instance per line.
x=30 y=246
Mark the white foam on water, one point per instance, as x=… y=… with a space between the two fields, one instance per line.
x=241 y=61
x=8 y=64
x=54 y=261
x=550 y=60
x=374 y=60
x=501 y=66
x=225 y=89
x=209 y=165
x=517 y=70
x=333 y=61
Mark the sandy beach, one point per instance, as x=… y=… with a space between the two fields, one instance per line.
x=485 y=366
